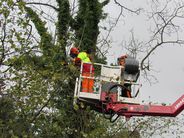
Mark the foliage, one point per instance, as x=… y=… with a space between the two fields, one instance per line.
x=40 y=80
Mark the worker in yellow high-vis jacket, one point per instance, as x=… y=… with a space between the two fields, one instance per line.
x=88 y=69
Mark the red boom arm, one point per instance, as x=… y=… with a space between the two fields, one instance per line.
x=129 y=110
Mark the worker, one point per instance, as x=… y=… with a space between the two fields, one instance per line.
x=121 y=62
x=74 y=51
x=88 y=69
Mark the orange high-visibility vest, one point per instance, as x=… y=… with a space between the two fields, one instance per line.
x=88 y=71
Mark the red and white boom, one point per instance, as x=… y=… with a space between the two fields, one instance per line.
x=129 y=110
x=114 y=103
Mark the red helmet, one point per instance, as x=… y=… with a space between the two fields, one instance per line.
x=74 y=50
x=122 y=57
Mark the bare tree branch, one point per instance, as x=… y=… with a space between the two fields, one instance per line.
x=104 y=41
x=44 y=4
x=167 y=23
x=3 y=43
x=41 y=109
x=137 y=11
x=156 y=46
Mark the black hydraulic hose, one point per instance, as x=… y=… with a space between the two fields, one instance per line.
x=111 y=112
x=117 y=85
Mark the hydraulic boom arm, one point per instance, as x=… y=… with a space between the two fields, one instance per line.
x=129 y=110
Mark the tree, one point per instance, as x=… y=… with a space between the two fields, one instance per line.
x=41 y=80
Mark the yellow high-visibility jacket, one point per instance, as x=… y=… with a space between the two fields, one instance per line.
x=84 y=57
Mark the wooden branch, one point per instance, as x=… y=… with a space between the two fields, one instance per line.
x=130 y=10
x=156 y=46
x=38 y=113
x=29 y=32
x=44 y=4
x=3 y=41
x=161 y=31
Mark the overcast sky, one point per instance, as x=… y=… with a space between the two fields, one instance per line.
x=167 y=61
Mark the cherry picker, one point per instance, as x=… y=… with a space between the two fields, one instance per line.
x=112 y=93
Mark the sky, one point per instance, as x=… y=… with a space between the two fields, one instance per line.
x=166 y=61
